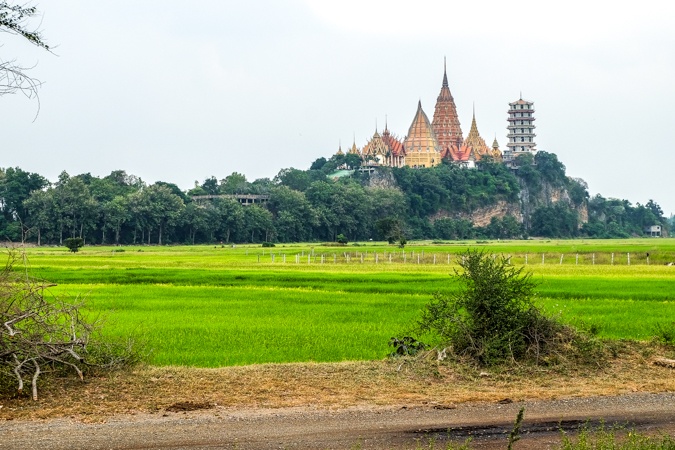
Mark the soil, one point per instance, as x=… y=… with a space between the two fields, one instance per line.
x=390 y=404
x=488 y=424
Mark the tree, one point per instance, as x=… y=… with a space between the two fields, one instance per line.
x=14 y=20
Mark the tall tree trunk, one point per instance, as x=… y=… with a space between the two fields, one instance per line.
x=161 y=226
x=39 y=236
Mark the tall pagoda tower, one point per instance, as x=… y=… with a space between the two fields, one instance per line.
x=446 y=123
x=421 y=146
x=521 y=130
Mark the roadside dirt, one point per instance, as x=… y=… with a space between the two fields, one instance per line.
x=389 y=427
x=388 y=404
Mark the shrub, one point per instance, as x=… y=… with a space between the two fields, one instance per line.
x=268 y=244
x=406 y=346
x=492 y=317
x=341 y=239
x=74 y=244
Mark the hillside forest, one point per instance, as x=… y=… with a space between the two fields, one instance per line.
x=537 y=199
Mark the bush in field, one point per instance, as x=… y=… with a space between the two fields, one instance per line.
x=74 y=244
x=492 y=317
x=41 y=336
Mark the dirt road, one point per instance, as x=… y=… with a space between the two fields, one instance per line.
x=368 y=428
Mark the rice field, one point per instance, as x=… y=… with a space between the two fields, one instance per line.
x=209 y=306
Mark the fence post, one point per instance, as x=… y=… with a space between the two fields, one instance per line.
x=525 y=258
x=272 y=257
x=577 y=260
x=542 y=258
x=612 y=258
x=434 y=259
x=418 y=258
x=284 y=258
x=448 y=258
x=561 y=258
x=258 y=258
x=628 y=254
x=377 y=258
x=593 y=258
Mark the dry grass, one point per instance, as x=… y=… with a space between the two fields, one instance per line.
x=334 y=385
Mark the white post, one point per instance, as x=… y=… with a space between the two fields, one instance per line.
x=309 y=258
x=321 y=259
x=284 y=258
x=647 y=259
x=577 y=260
x=418 y=258
x=361 y=258
x=272 y=257
x=334 y=258
x=628 y=254
x=612 y=258
x=376 y=258
x=593 y=258
x=561 y=258
x=405 y=258
x=448 y=258
x=525 y=258
x=258 y=258
x=542 y=258
x=389 y=257
x=434 y=259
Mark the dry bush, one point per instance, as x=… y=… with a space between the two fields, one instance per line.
x=41 y=334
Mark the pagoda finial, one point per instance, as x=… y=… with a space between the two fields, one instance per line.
x=445 y=73
x=376 y=125
x=474 y=110
x=385 y=122
x=521 y=95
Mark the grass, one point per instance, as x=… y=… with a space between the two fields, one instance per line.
x=209 y=306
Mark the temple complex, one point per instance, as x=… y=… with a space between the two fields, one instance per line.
x=428 y=143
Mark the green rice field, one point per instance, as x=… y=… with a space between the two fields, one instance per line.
x=210 y=306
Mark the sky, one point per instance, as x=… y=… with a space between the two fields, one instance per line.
x=182 y=91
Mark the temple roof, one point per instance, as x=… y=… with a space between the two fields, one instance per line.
x=339 y=152
x=394 y=144
x=459 y=153
x=446 y=123
x=375 y=146
x=421 y=136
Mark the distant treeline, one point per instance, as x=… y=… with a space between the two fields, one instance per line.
x=305 y=205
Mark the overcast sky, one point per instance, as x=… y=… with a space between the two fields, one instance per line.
x=180 y=91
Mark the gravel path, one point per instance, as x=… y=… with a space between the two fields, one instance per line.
x=367 y=428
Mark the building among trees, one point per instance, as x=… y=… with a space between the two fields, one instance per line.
x=429 y=142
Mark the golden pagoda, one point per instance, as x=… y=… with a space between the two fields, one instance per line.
x=421 y=146
x=475 y=142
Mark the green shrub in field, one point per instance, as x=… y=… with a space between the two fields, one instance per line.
x=268 y=244
x=492 y=317
x=74 y=244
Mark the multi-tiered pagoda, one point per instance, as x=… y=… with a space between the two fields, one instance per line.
x=521 y=130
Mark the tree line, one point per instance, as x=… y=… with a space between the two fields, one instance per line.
x=307 y=205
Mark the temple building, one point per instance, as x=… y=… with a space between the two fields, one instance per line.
x=428 y=143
